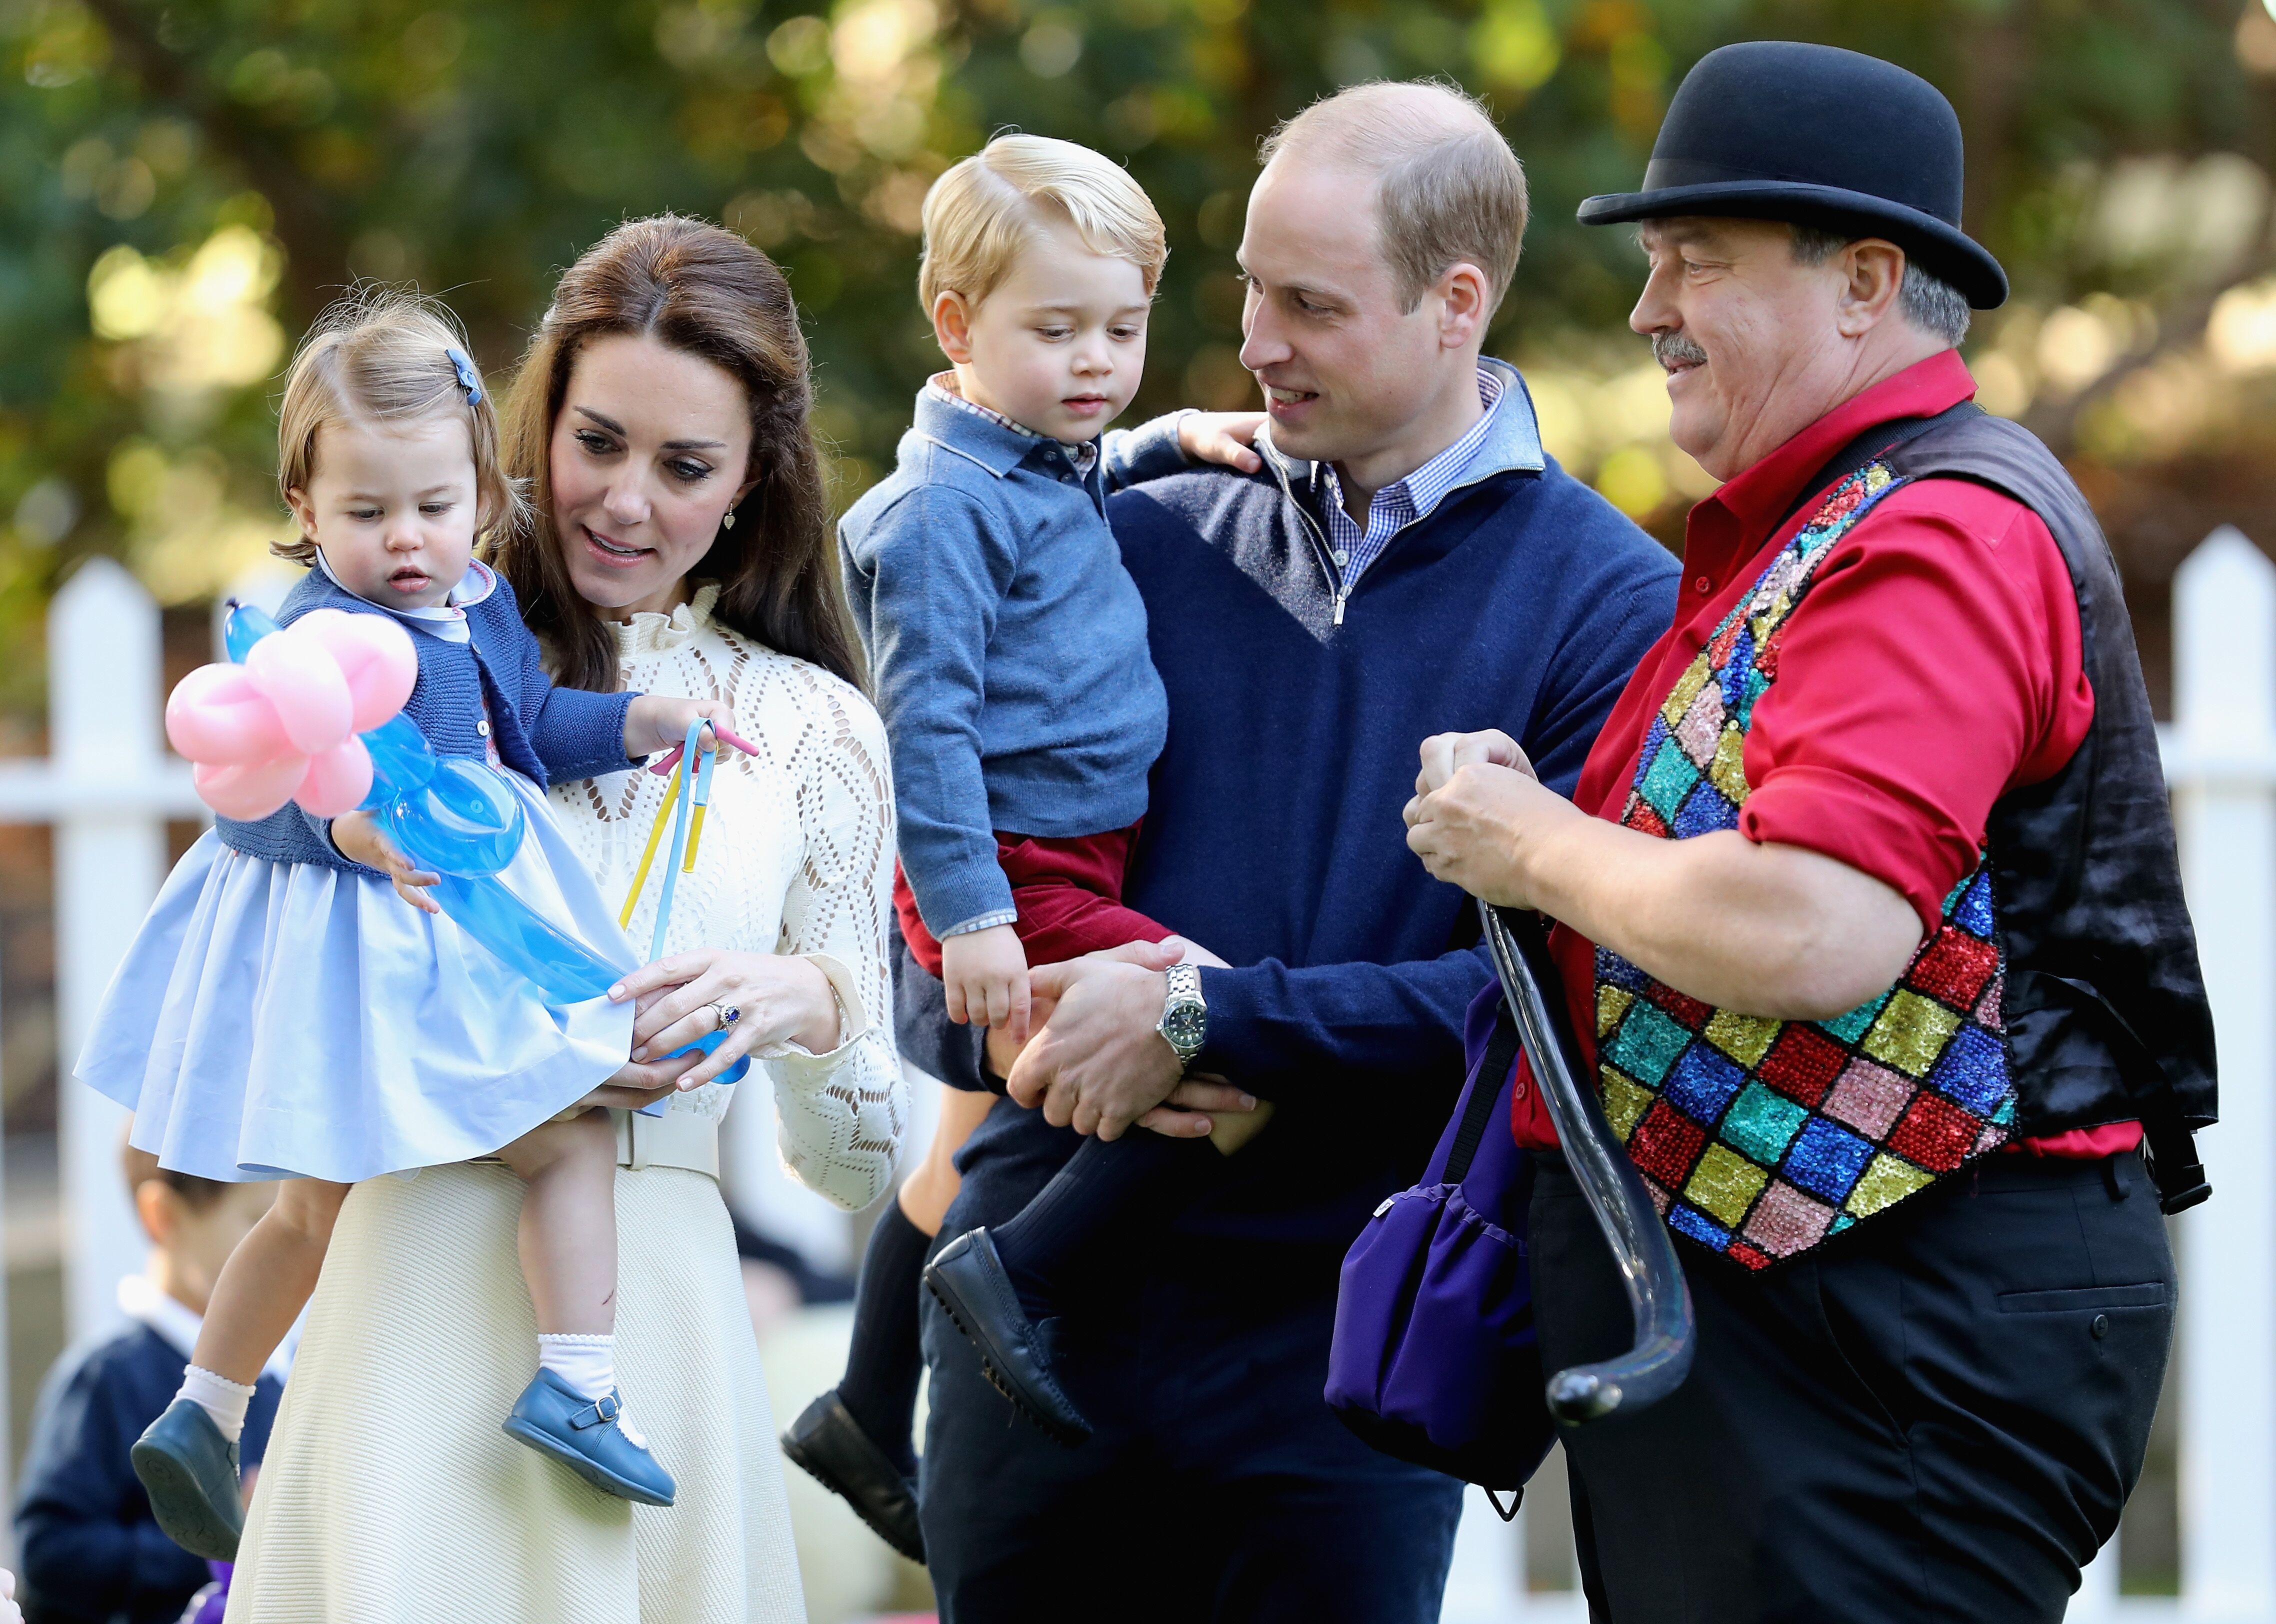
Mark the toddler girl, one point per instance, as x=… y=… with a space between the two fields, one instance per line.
x=281 y=1014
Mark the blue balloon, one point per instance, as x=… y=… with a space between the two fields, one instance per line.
x=457 y=817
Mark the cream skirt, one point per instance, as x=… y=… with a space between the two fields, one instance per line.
x=389 y=1495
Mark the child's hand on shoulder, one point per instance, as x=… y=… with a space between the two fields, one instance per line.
x=986 y=974
x=655 y=723
x=360 y=839
x=1223 y=437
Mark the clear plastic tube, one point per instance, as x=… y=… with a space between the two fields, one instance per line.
x=1658 y=1296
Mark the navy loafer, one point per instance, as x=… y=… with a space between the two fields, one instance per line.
x=833 y=1450
x=585 y=1435
x=190 y=1471
x=968 y=1278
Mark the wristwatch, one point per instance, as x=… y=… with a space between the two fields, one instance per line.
x=1184 y=1025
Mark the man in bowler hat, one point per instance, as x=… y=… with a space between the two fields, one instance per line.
x=1868 y=907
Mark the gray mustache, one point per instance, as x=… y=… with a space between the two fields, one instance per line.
x=1671 y=347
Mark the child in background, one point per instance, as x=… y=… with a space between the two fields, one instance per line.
x=283 y=1012
x=91 y=1550
x=1009 y=650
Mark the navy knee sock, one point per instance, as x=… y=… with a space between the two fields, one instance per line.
x=879 y=1388
x=1140 y=1176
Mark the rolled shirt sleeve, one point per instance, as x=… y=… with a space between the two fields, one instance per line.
x=1935 y=665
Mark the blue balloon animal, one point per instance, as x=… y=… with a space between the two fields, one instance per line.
x=458 y=816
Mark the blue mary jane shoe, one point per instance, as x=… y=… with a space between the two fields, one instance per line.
x=584 y=1434
x=189 y=1470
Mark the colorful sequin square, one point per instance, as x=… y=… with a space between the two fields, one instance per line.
x=1868 y=1098
x=1973 y=1071
x=1935 y=1133
x=1786 y=1220
x=1744 y=1037
x=1667 y=1144
x=1761 y=1125
x=1802 y=1061
x=1954 y=968
x=1702 y=1083
x=1646 y=1044
x=1911 y=1032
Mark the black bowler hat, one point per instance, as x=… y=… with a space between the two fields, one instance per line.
x=1817 y=136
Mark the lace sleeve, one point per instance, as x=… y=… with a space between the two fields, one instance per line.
x=843 y=1113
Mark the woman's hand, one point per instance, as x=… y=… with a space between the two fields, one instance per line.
x=1478 y=812
x=635 y=1085
x=1222 y=437
x=360 y=839
x=653 y=722
x=779 y=999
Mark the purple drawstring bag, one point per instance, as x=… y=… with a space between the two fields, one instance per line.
x=1434 y=1359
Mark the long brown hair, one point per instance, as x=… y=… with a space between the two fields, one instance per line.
x=706 y=293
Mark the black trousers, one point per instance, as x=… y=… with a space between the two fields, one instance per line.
x=1937 y=1416
x=1218 y=1489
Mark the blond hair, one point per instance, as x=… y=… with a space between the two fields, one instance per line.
x=984 y=211
x=1448 y=190
x=386 y=356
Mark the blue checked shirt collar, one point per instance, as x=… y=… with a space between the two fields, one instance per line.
x=941 y=386
x=1403 y=501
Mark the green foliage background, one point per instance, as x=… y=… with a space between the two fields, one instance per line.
x=477 y=149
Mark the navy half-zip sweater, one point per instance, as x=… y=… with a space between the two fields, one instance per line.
x=1273 y=834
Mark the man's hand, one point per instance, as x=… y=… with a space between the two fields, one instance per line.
x=1099 y=1064
x=360 y=839
x=1444 y=755
x=1478 y=828
x=1221 y=438
x=1476 y=801
x=985 y=974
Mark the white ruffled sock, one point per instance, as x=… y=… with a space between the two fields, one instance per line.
x=224 y=1400
x=588 y=1365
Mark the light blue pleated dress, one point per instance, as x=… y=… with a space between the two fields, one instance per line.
x=278 y=1018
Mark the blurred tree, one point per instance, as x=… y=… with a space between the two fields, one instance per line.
x=182 y=186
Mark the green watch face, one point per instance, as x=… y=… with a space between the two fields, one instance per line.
x=1184 y=1026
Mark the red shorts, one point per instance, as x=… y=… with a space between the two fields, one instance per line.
x=1068 y=893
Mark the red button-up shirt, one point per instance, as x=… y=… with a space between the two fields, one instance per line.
x=1935 y=666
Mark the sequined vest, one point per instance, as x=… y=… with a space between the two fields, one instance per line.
x=2060 y=988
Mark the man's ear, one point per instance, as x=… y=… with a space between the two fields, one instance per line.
x=951 y=326
x=158 y=1207
x=1464 y=305
x=1874 y=274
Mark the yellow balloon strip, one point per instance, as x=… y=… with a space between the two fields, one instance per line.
x=647 y=857
x=700 y=798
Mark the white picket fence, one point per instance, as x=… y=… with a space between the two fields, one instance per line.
x=110 y=786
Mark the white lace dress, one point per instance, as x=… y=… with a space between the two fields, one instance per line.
x=389 y=1494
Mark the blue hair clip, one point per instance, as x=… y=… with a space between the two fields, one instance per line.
x=469 y=380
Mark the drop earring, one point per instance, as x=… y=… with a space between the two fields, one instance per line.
x=728 y=523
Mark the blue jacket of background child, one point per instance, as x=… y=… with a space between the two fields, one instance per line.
x=1008 y=646
x=90 y=1550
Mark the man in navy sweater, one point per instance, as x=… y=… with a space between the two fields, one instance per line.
x=1400 y=553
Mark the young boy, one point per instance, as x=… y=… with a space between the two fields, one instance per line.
x=1009 y=648
x=91 y=1549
